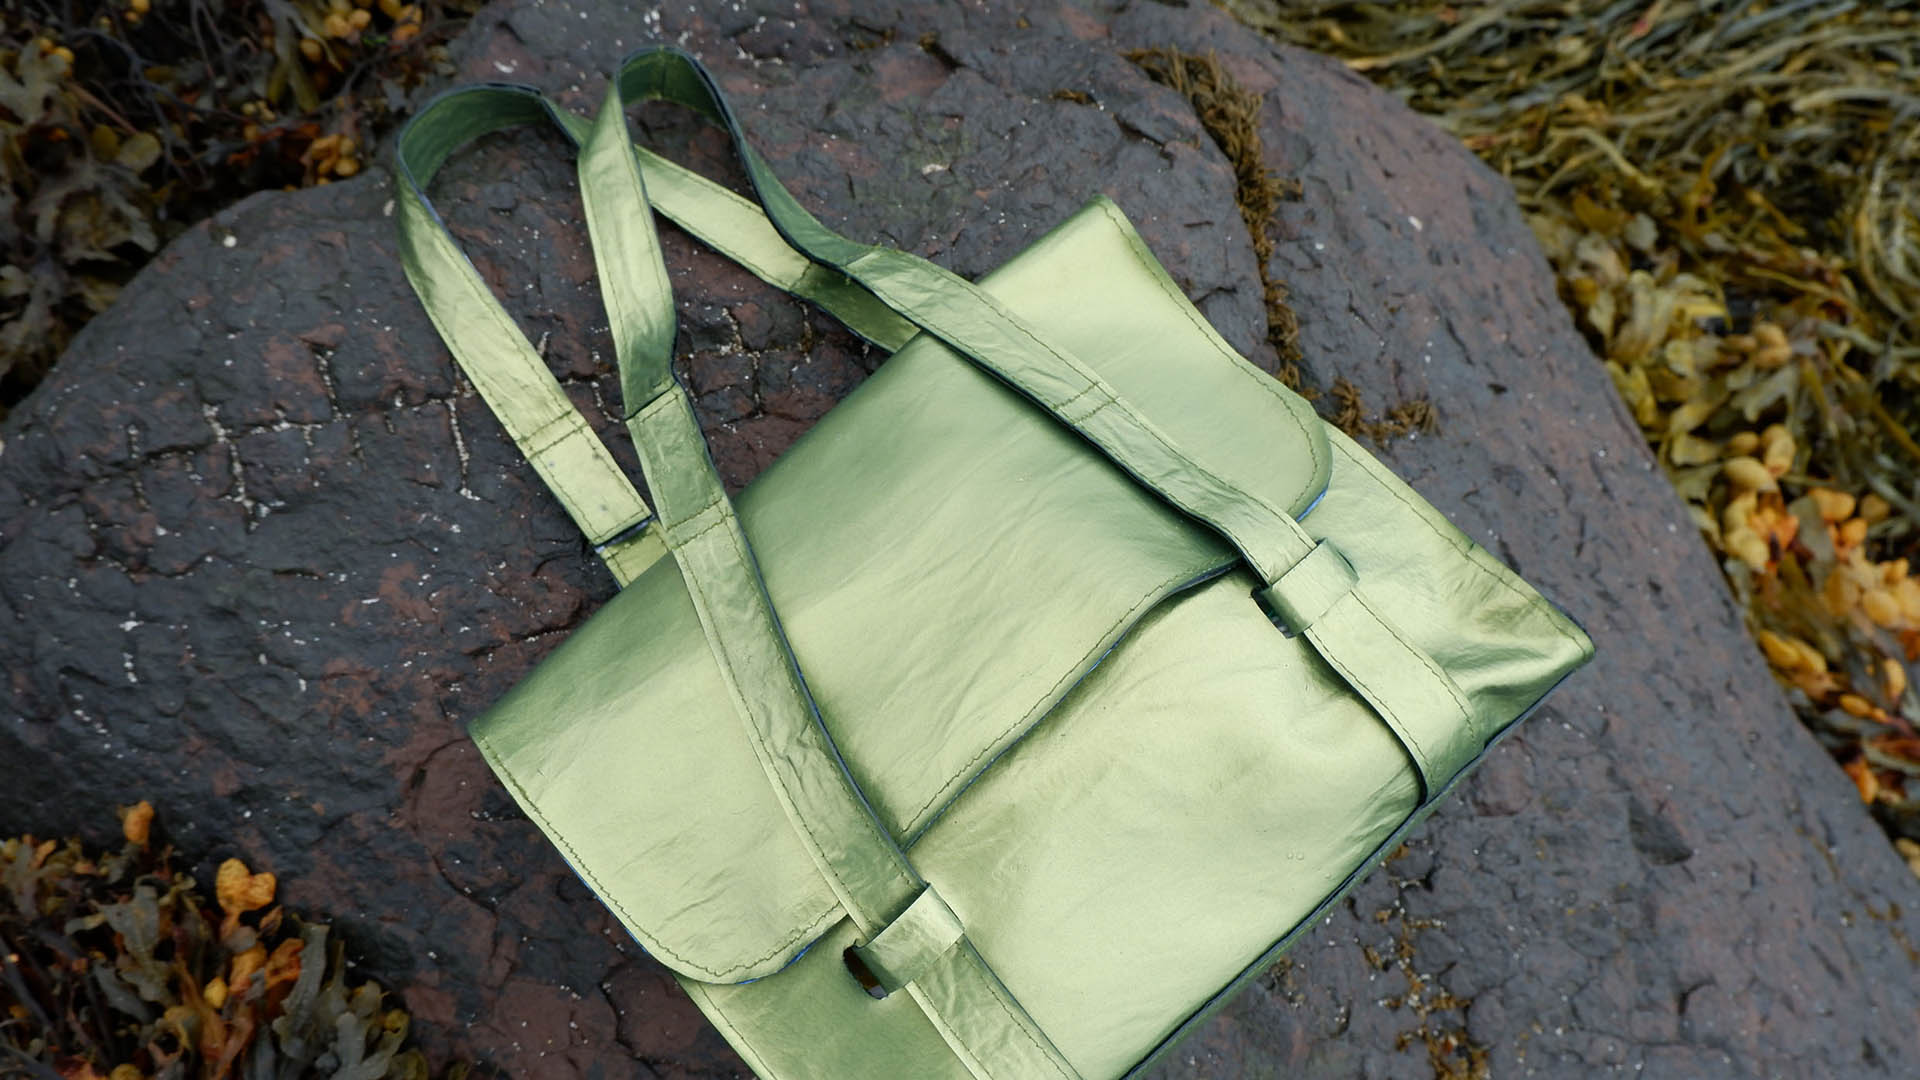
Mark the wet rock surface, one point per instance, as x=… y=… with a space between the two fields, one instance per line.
x=263 y=551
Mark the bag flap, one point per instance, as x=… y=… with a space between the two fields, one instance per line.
x=947 y=562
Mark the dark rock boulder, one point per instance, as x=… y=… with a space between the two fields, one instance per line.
x=264 y=551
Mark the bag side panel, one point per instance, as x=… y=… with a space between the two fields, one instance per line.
x=617 y=733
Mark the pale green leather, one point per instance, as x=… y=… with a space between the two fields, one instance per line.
x=1061 y=673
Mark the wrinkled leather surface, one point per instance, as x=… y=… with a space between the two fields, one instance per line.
x=939 y=549
x=1050 y=685
x=1155 y=833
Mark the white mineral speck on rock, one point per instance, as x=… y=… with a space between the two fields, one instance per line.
x=229 y=241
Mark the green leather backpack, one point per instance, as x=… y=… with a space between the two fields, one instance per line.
x=1033 y=702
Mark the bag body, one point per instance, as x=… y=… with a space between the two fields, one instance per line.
x=1027 y=706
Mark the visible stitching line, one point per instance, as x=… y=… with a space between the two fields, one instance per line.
x=580 y=864
x=1534 y=602
x=1140 y=423
x=1033 y=711
x=696 y=515
x=997 y=993
x=1234 y=360
x=577 y=427
x=1084 y=391
x=1095 y=411
x=724 y=659
x=1421 y=654
x=1393 y=718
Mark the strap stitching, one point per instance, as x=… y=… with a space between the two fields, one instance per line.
x=1235 y=360
x=1139 y=423
x=1466 y=711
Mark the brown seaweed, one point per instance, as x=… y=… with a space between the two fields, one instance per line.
x=1729 y=193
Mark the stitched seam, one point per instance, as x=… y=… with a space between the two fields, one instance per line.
x=1032 y=715
x=607 y=895
x=1466 y=711
x=577 y=427
x=994 y=993
x=724 y=660
x=1084 y=391
x=695 y=516
x=1534 y=602
x=1393 y=718
x=1095 y=411
x=1140 y=423
x=1234 y=360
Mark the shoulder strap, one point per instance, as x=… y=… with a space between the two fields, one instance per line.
x=887 y=296
x=1310 y=585
x=509 y=374
x=854 y=852
x=982 y=329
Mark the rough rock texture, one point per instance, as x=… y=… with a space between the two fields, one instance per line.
x=263 y=551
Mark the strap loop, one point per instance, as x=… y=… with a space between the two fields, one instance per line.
x=911 y=944
x=1309 y=587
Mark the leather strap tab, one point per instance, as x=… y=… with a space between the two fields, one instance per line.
x=911 y=943
x=1309 y=587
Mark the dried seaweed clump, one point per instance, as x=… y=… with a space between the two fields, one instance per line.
x=1231 y=116
x=113 y=966
x=1729 y=192
x=124 y=121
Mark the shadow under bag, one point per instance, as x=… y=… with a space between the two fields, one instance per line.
x=1033 y=701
